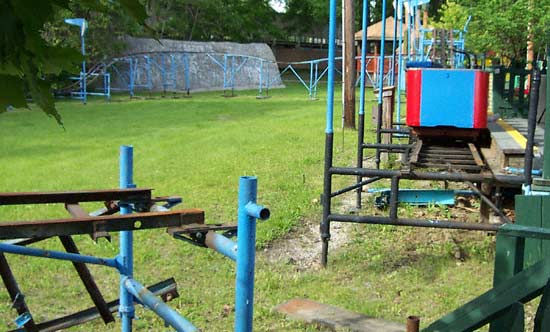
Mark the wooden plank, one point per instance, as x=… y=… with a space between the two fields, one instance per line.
x=513 y=230
x=334 y=318
x=508 y=258
x=506 y=143
x=476 y=155
x=416 y=151
x=545 y=223
x=134 y=194
x=542 y=318
x=513 y=319
x=90 y=225
x=523 y=287
x=510 y=252
x=529 y=213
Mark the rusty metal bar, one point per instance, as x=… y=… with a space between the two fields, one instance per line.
x=166 y=289
x=387 y=146
x=88 y=280
x=414 y=175
x=78 y=212
x=197 y=228
x=137 y=221
x=414 y=222
x=17 y=298
x=354 y=186
x=413 y=324
x=394 y=197
x=134 y=194
x=489 y=203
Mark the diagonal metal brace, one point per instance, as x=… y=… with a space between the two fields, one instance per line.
x=195 y=234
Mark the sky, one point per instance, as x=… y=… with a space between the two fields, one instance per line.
x=278 y=5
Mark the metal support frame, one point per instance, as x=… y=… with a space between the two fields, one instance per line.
x=130 y=199
x=85 y=76
x=364 y=176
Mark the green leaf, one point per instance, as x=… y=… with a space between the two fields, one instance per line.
x=58 y=59
x=11 y=92
x=135 y=9
x=40 y=89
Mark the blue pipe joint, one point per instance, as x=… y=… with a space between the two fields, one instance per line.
x=121 y=265
x=248 y=212
x=222 y=244
x=257 y=211
x=170 y=316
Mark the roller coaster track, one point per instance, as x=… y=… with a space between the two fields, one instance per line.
x=139 y=65
x=92 y=74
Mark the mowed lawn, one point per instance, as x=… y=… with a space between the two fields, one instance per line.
x=197 y=148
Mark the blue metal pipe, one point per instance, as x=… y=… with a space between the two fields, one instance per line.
x=246 y=240
x=126 y=259
x=170 y=316
x=221 y=244
x=310 y=80
x=382 y=53
x=261 y=76
x=363 y=56
x=20 y=250
x=224 y=72
x=331 y=62
x=316 y=80
x=84 y=99
x=257 y=211
x=131 y=78
x=401 y=70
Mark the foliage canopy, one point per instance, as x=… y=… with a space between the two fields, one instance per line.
x=27 y=59
x=500 y=26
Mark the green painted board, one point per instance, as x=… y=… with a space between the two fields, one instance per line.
x=545 y=223
x=508 y=262
x=522 y=287
x=508 y=258
x=529 y=213
x=542 y=318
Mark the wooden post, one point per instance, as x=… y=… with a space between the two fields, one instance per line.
x=530 y=45
x=349 y=66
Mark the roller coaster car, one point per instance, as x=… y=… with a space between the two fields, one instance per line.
x=448 y=104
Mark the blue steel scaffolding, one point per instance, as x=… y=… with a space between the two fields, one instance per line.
x=86 y=77
x=183 y=224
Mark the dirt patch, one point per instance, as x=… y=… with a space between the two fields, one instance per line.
x=302 y=246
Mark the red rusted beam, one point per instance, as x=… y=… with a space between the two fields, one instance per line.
x=135 y=194
x=90 y=225
x=88 y=281
x=413 y=324
x=78 y=212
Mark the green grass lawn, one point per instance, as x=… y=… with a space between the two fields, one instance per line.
x=197 y=148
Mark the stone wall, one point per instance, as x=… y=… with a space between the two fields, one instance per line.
x=167 y=65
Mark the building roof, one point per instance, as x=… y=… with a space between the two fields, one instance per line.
x=374 y=31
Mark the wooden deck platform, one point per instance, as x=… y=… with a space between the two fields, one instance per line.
x=509 y=139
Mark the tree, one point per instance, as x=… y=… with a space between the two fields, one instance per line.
x=26 y=58
x=501 y=26
x=236 y=20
